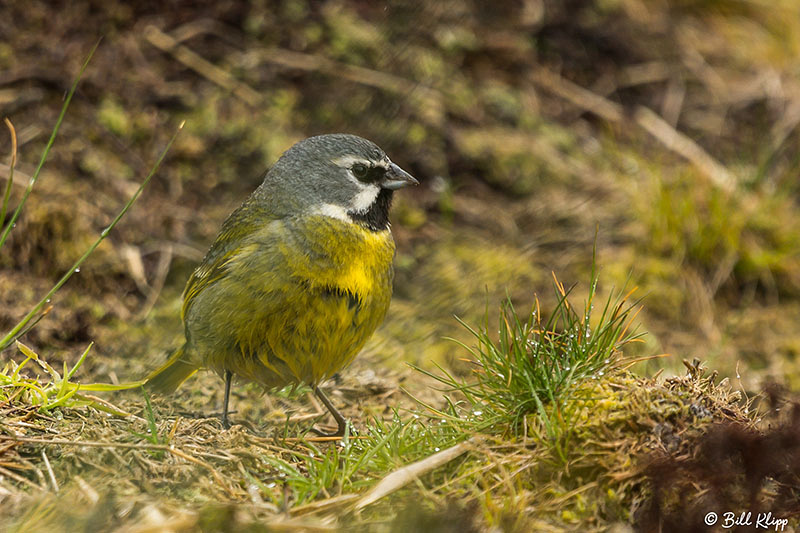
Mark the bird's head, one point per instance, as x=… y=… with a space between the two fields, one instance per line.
x=338 y=175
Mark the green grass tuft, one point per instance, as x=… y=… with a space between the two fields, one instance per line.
x=45 y=395
x=536 y=363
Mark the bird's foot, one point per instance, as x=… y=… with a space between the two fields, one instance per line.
x=341 y=421
x=339 y=433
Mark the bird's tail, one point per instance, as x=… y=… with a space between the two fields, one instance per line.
x=168 y=377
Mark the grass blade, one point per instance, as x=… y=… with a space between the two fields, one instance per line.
x=13 y=163
x=46 y=151
x=15 y=332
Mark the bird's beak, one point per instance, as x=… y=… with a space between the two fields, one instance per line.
x=397 y=178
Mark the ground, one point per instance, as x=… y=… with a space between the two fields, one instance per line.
x=651 y=141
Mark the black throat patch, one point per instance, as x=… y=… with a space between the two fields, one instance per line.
x=376 y=218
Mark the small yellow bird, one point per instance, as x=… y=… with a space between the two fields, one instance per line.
x=299 y=276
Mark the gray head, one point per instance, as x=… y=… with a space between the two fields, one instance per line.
x=338 y=175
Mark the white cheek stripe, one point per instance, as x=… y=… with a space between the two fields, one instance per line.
x=333 y=211
x=365 y=198
x=360 y=203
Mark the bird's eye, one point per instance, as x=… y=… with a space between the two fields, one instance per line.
x=360 y=170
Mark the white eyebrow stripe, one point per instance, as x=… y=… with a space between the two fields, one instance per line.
x=347 y=161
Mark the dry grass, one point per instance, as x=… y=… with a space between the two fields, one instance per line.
x=189 y=471
x=666 y=128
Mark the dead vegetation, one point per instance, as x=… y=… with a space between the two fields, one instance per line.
x=129 y=478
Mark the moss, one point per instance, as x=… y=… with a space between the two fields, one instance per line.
x=408 y=215
x=351 y=39
x=519 y=162
x=114 y=117
x=6 y=55
x=625 y=420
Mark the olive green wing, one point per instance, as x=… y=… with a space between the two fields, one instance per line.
x=204 y=275
x=231 y=241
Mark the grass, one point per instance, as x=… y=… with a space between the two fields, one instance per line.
x=57 y=390
x=563 y=433
x=519 y=419
x=746 y=239
x=13 y=220
x=536 y=364
x=526 y=425
x=40 y=309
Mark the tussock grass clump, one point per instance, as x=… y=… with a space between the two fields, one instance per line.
x=535 y=365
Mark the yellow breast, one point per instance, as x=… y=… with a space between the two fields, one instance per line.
x=366 y=263
x=344 y=256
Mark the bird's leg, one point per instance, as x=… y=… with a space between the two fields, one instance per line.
x=228 y=377
x=340 y=420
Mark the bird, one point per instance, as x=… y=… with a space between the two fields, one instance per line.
x=299 y=276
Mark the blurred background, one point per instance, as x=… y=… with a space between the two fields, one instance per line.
x=663 y=130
